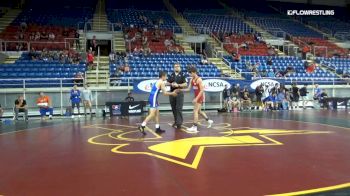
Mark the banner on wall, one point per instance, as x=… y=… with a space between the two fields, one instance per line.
x=210 y=85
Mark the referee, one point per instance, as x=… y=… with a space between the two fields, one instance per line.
x=177 y=80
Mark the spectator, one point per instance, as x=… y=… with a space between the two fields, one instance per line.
x=45 y=105
x=112 y=57
x=44 y=36
x=246 y=101
x=303 y=94
x=258 y=94
x=65 y=32
x=21 y=106
x=21 y=36
x=75 y=99
x=317 y=94
x=235 y=89
x=90 y=59
x=270 y=102
x=116 y=77
x=23 y=26
x=37 y=36
x=226 y=96
x=1 y=112
x=269 y=61
x=282 y=102
x=237 y=58
x=234 y=103
x=323 y=102
x=271 y=74
x=32 y=36
x=51 y=36
x=93 y=44
x=271 y=51
x=129 y=98
x=77 y=40
x=295 y=95
x=79 y=78
x=87 y=99
x=167 y=43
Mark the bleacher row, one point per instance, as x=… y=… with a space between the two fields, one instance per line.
x=150 y=66
x=279 y=64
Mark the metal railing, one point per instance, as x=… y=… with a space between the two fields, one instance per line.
x=6 y=45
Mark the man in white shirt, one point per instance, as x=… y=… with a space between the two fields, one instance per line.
x=87 y=99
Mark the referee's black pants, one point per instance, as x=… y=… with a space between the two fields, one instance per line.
x=176 y=106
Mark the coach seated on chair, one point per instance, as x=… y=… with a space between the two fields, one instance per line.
x=45 y=106
x=21 y=106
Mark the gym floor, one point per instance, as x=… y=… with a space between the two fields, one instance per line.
x=248 y=153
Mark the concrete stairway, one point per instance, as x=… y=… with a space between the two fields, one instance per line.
x=12 y=58
x=8 y=18
x=119 y=41
x=224 y=68
x=99 y=20
x=185 y=27
x=100 y=76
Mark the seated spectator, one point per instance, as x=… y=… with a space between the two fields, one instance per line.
x=45 y=105
x=1 y=112
x=21 y=106
x=116 y=77
x=129 y=98
x=126 y=68
x=32 y=36
x=44 y=36
x=271 y=74
x=37 y=36
x=21 y=36
x=263 y=73
x=51 y=36
x=234 y=103
x=269 y=61
x=167 y=43
x=270 y=102
x=23 y=26
x=236 y=57
x=246 y=101
x=65 y=32
x=19 y=47
x=79 y=78
x=271 y=51
x=310 y=68
x=281 y=100
x=112 y=57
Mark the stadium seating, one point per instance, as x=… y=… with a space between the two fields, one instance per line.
x=340 y=65
x=150 y=66
x=136 y=4
x=255 y=48
x=37 y=73
x=217 y=23
x=130 y=17
x=156 y=46
x=280 y=64
x=287 y=25
x=332 y=49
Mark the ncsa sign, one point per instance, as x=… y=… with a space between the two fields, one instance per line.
x=264 y=82
x=215 y=85
x=146 y=85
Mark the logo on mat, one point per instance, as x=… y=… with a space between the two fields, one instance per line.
x=127 y=140
x=132 y=107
